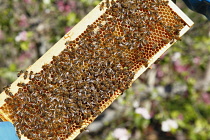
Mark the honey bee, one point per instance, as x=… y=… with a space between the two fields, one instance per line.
x=112 y=2
x=102 y=6
x=20 y=72
x=157 y=61
x=21 y=84
x=8 y=92
x=177 y=37
x=177 y=26
x=107 y=3
x=7 y=100
x=6 y=87
x=168 y=29
x=165 y=2
x=18 y=134
x=165 y=40
x=145 y=62
x=30 y=75
x=100 y=25
x=154 y=46
x=30 y=89
x=177 y=18
x=159 y=18
x=25 y=74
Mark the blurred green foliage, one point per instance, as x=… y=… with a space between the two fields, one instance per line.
x=177 y=88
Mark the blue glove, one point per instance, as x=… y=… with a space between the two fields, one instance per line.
x=200 y=6
x=7 y=131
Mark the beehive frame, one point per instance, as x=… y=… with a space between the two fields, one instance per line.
x=74 y=37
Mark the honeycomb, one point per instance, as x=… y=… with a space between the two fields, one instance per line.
x=93 y=69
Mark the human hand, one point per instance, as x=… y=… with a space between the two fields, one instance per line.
x=7 y=131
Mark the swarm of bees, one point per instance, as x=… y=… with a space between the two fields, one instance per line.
x=102 y=61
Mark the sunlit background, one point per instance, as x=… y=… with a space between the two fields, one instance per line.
x=170 y=101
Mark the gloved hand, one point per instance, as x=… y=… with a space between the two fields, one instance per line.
x=7 y=131
x=200 y=6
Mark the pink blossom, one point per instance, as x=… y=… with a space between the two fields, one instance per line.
x=23 y=21
x=180 y=117
x=168 y=125
x=1 y=35
x=67 y=29
x=180 y=68
x=206 y=97
x=66 y=6
x=32 y=45
x=144 y=112
x=72 y=5
x=27 y=1
x=22 y=36
x=160 y=73
x=196 y=60
x=60 y=5
x=24 y=56
x=121 y=134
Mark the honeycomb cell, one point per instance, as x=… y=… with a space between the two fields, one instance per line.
x=98 y=65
